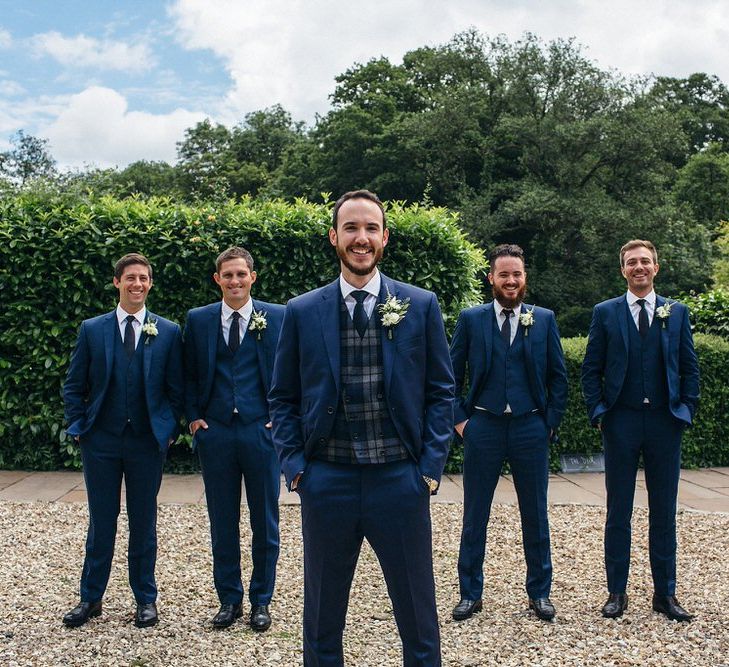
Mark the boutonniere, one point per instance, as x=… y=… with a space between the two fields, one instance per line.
x=527 y=320
x=663 y=313
x=150 y=328
x=258 y=323
x=392 y=312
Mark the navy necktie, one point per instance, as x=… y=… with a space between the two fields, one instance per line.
x=642 y=318
x=129 y=336
x=360 y=316
x=506 y=326
x=234 y=335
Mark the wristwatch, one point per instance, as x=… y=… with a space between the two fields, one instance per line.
x=432 y=484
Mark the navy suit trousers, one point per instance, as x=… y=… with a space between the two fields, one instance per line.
x=389 y=505
x=107 y=458
x=627 y=433
x=523 y=441
x=230 y=455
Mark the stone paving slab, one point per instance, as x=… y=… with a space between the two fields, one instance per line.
x=708 y=478
x=8 y=477
x=43 y=486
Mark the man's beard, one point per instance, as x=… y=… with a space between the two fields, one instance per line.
x=360 y=270
x=508 y=302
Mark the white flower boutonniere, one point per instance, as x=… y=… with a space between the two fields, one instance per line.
x=150 y=328
x=258 y=323
x=392 y=312
x=527 y=320
x=663 y=313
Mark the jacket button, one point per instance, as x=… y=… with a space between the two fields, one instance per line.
x=330 y=410
x=322 y=441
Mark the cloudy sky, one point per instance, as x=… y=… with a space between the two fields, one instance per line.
x=109 y=82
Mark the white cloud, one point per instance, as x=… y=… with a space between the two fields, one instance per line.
x=290 y=52
x=83 y=51
x=10 y=88
x=96 y=126
x=6 y=39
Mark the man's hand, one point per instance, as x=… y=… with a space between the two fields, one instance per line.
x=295 y=481
x=460 y=427
x=198 y=423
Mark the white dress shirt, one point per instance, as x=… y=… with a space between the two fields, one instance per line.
x=226 y=319
x=650 y=306
x=513 y=320
x=373 y=289
x=137 y=322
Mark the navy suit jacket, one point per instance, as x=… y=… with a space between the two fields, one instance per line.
x=471 y=348
x=306 y=379
x=202 y=330
x=606 y=358
x=90 y=370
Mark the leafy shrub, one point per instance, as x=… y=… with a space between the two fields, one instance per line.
x=709 y=311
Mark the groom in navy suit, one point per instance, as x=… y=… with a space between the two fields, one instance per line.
x=123 y=402
x=362 y=409
x=229 y=350
x=640 y=379
x=517 y=393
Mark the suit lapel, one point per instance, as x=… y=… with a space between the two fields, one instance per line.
x=621 y=312
x=262 y=370
x=329 y=321
x=110 y=323
x=488 y=320
x=147 y=349
x=388 y=344
x=528 y=358
x=661 y=301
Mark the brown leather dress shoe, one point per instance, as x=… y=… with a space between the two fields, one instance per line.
x=81 y=613
x=466 y=608
x=668 y=605
x=616 y=604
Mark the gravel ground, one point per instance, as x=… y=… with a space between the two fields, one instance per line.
x=42 y=549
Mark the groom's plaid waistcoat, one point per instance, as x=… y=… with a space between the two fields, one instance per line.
x=363 y=431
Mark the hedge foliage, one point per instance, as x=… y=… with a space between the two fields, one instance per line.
x=56 y=259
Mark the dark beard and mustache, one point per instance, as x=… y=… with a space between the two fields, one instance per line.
x=508 y=302
x=359 y=270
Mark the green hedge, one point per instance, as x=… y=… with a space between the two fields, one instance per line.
x=56 y=259
x=705 y=444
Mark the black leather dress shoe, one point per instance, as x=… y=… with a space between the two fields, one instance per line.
x=227 y=615
x=543 y=608
x=82 y=613
x=146 y=615
x=466 y=608
x=616 y=604
x=668 y=605
x=260 y=618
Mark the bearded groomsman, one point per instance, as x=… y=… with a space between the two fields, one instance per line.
x=517 y=393
x=229 y=352
x=123 y=402
x=640 y=379
x=362 y=408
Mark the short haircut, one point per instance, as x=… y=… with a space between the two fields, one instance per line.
x=358 y=194
x=638 y=243
x=129 y=259
x=234 y=253
x=505 y=250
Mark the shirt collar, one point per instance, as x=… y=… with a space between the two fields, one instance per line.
x=498 y=308
x=245 y=310
x=121 y=314
x=650 y=298
x=372 y=287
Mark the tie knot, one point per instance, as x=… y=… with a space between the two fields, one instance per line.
x=507 y=312
x=359 y=295
x=235 y=316
x=641 y=302
x=130 y=318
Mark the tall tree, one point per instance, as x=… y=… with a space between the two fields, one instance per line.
x=28 y=159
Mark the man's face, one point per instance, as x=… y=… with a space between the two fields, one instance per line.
x=360 y=237
x=508 y=281
x=235 y=280
x=639 y=270
x=133 y=286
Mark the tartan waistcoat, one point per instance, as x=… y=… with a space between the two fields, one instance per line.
x=363 y=431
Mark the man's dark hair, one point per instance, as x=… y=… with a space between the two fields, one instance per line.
x=234 y=253
x=358 y=194
x=129 y=259
x=505 y=250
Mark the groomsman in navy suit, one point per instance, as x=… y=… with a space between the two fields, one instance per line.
x=229 y=351
x=123 y=397
x=517 y=394
x=640 y=379
x=362 y=409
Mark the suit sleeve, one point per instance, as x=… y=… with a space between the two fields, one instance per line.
x=193 y=410
x=556 y=377
x=174 y=382
x=439 y=396
x=75 y=389
x=593 y=367
x=459 y=354
x=284 y=399
x=688 y=366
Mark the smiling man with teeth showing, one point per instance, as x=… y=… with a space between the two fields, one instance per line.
x=362 y=409
x=640 y=379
